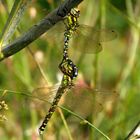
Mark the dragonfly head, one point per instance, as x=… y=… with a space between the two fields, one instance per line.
x=75 y=12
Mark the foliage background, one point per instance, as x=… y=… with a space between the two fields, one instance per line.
x=115 y=68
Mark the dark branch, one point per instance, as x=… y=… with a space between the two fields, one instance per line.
x=37 y=30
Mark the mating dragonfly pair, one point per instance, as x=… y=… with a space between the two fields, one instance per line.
x=85 y=39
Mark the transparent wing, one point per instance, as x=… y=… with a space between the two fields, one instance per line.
x=85 y=39
x=86 y=101
x=97 y=35
x=84 y=45
x=45 y=92
x=93 y=34
x=80 y=99
x=56 y=30
x=88 y=39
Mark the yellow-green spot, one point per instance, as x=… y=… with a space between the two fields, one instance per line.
x=1 y=55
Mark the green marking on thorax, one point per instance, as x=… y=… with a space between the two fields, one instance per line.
x=1 y=55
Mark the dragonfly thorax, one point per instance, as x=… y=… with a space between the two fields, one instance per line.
x=71 y=20
x=68 y=68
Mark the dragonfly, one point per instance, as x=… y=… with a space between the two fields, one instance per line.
x=68 y=68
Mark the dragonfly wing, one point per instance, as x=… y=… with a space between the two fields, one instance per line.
x=104 y=35
x=97 y=35
x=45 y=92
x=87 y=39
x=85 y=101
x=82 y=101
x=82 y=104
x=84 y=45
x=56 y=33
x=57 y=28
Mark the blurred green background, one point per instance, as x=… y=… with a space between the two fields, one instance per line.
x=115 y=68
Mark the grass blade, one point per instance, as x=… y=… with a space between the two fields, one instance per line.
x=13 y=20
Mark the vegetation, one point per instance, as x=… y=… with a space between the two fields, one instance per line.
x=111 y=114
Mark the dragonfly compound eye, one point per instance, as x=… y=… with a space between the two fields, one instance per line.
x=75 y=12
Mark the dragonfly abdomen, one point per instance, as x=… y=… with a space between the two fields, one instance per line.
x=51 y=110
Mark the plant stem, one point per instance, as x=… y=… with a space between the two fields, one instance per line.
x=134 y=37
x=38 y=29
x=65 y=124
